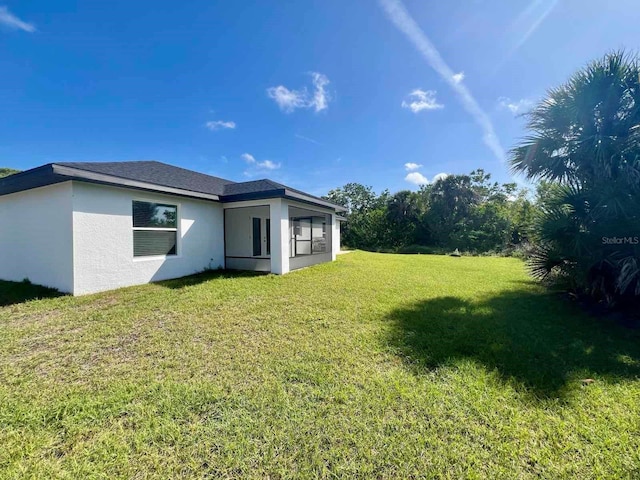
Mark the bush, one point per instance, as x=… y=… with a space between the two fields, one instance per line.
x=417 y=249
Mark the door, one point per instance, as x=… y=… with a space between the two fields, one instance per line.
x=303 y=237
x=257 y=237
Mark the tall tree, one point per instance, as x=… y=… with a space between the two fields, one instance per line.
x=585 y=141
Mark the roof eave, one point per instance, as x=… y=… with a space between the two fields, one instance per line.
x=313 y=200
x=281 y=193
x=34 y=178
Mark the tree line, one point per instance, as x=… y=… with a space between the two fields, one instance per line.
x=465 y=212
x=581 y=229
x=5 y=172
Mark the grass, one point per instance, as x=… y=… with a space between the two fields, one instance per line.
x=384 y=366
x=13 y=292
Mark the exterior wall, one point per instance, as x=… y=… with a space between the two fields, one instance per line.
x=239 y=235
x=36 y=236
x=335 y=240
x=103 y=239
x=301 y=210
x=280 y=236
x=255 y=264
x=239 y=230
x=308 y=260
x=78 y=237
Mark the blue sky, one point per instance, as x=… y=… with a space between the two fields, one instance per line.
x=313 y=93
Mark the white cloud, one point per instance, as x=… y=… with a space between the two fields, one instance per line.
x=457 y=77
x=440 y=176
x=515 y=106
x=247 y=157
x=290 y=100
x=220 y=124
x=416 y=178
x=9 y=20
x=259 y=166
x=398 y=14
x=422 y=100
x=320 y=96
x=412 y=166
x=268 y=165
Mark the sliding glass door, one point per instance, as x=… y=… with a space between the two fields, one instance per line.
x=308 y=235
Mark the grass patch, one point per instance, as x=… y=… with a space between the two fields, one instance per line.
x=19 y=292
x=386 y=366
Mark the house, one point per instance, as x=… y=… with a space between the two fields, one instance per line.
x=90 y=227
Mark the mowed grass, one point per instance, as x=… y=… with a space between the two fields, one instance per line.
x=374 y=366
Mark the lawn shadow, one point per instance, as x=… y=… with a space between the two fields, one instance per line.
x=533 y=338
x=12 y=293
x=207 y=275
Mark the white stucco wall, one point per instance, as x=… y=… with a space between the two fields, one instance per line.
x=35 y=236
x=78 y=238
x=103 y=239
x=239 y=230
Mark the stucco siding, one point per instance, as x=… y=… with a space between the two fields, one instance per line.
x=239 y=230
x=103 y=239
x=308 y=260
x=35 y=236
x=255 y=264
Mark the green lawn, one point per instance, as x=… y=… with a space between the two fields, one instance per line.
x=383 y=366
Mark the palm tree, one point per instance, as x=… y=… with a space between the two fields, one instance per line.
x=585 y=140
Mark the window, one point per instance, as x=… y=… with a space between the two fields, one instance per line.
x=309 y=235
x=268 y=228
x=155 y=229
x=319 y=239
x=257 y=234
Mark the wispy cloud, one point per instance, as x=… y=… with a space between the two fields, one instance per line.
x=290 y=100
x=400 y=17
x=529 y=20
x=320 y=96
x=220 y=125
x=9 y=20
x=247 y=157
x=409 y=167
x=420 y=100
x=268 y=165
x=259 y=166
x=515 y=106
x=458 y=77
x=308 y=139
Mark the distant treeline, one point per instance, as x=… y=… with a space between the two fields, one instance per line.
x=465 y=212
x=5 y=172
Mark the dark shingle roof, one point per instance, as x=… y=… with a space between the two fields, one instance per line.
x=253 y=186
x=156 y=173
x=156 y=176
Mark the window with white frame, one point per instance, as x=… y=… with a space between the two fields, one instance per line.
x=155 y=229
